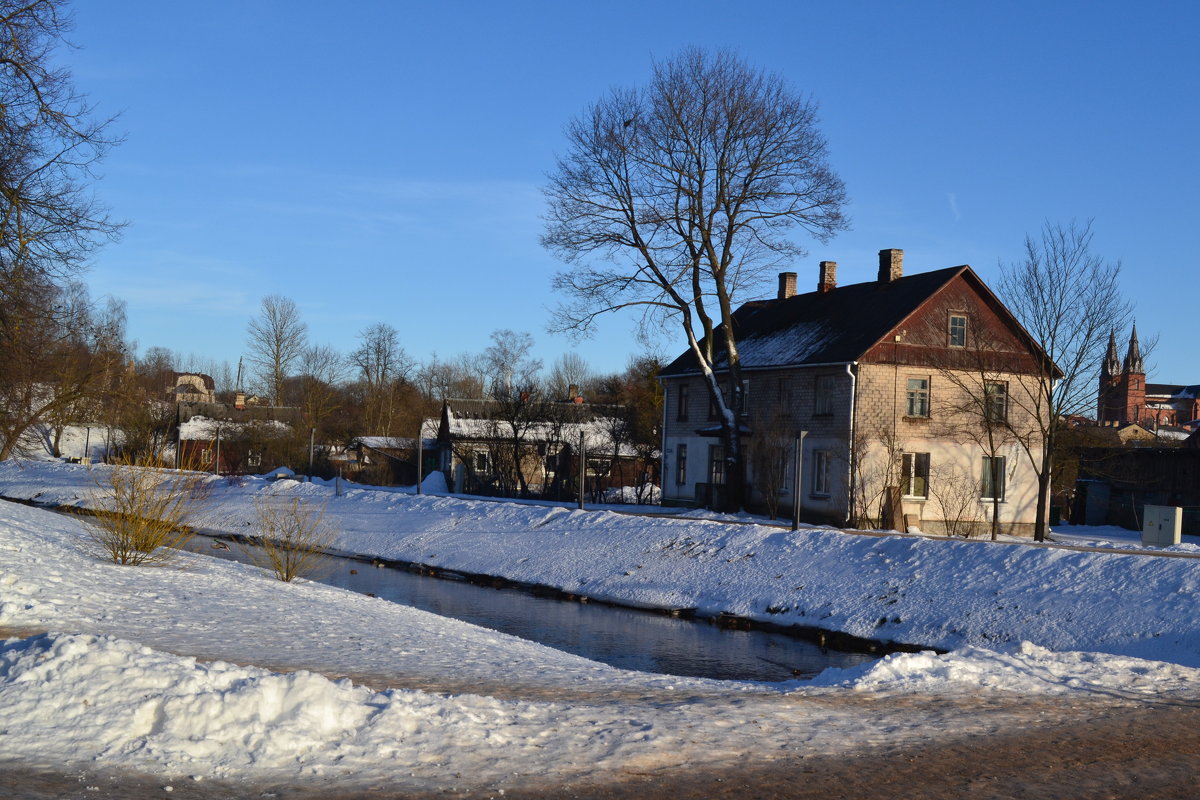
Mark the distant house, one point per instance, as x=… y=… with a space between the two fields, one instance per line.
x=531 y=447
x=191 y=387
x=389 y=460
x=877 y=376
x=233 y=440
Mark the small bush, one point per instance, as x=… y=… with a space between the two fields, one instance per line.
x=293 y=537
x=143 y=510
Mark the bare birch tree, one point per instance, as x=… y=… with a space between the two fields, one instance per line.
x=689 y=187
x=275 y=341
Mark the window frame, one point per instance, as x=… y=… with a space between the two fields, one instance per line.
x=956 y=338
x=681 y=464
x=985 y=483
x=994 y=402
x=914 y=467
x=921 y=394
x=819 y=483
x=824 y=387
x=681 y=400
x=716 y=464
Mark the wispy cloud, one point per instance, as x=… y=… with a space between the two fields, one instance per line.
x=952 y=199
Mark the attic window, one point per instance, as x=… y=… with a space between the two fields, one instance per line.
x=958 y=330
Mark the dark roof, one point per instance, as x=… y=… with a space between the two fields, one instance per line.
x=1171 y=390
x=823 y=327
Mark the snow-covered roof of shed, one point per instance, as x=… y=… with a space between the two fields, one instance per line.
x=204 y=429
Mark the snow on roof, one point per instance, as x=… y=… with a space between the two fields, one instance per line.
x=597 y=433
x=203 y=428
x=392 y=442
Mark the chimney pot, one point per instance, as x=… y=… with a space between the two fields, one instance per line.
x=891 y=265
x=787 y=285
x=828 y=278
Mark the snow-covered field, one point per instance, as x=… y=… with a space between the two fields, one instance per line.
x=209 y=669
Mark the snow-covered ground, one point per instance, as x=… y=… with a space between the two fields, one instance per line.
x=208 y=669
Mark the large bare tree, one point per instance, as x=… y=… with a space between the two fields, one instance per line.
x=275 y=341
x=49 y=221
x=382 y=364
x=1069 y=299
x=689 y=188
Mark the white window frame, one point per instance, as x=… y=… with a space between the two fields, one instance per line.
x=985 y=483
x=914 y=467
x=681 y=464
x=956 y=335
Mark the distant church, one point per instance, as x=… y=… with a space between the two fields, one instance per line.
x=1126 y=398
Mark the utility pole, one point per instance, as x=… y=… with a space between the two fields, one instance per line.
x=798 y=480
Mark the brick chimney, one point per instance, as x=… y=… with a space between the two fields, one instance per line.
x=828 y=280
x=787 y=285
x=891 y=265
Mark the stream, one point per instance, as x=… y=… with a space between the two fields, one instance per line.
x=621 y=637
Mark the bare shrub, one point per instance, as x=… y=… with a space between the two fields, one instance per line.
x=293 y=537
x=958 y=493
x=143 y=510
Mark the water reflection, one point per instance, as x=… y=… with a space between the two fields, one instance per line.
x=620 y=637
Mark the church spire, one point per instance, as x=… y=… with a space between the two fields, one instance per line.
x=1112 y=364
x=1133 y=358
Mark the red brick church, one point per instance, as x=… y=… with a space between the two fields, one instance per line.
x=1126 y=398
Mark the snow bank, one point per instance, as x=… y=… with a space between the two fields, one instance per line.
x=938 y=593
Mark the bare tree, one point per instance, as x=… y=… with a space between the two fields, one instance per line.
x=322 y=370
x=569 y=370
x=382 y=363
x=49 y=222
x=276 y=340
x=1069 y=299
x=689 y=186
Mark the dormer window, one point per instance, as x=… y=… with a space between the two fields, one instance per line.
x=958 y=330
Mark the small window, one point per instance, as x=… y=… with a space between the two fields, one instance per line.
x=681 y=410
x=958 y=330
x=914 y=474
x=481 y=462
x=823 y=395
x=742 y=401
x=716 y=464
x=917 y=400
x=820 y=474
x=993 y=484
x=996 y=402
x=681 y=465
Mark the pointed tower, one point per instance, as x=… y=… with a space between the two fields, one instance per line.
x=1133 y=380
x=1109 y=403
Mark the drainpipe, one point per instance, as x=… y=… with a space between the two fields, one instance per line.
x=850 y=365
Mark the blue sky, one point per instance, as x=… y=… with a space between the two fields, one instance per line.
x=383 y=162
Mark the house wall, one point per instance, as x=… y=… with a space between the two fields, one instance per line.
x=956 y=448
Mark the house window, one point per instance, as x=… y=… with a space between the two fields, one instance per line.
x=993 y=485
x=996 y=402
x=681 y=410
x=716 y=464
x=958 y=330
x=481 y=461
x=914 y=474
x=823 y=393
x=742 y=401
x=820 y=472
x=681 y=465
x=917 y=404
